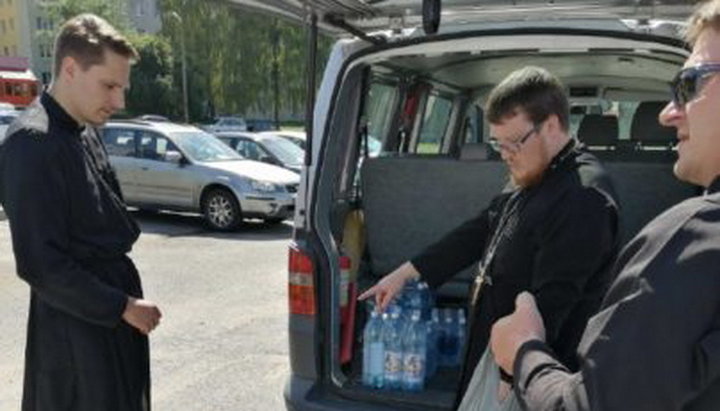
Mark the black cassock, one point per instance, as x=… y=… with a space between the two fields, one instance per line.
x=556 y=239
x=70 y=234
x=655 y=344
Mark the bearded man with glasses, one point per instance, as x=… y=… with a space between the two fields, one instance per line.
x=655 y=344
x=553 y=231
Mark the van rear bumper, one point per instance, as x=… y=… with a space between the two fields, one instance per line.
x=302 y=394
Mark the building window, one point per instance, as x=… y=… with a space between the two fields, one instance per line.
x=38 y=22
x=12 y=24
x=2 y=26
x=7 y=51
x=15 y=51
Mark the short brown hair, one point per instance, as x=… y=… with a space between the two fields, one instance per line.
x=85 y=38
x=532 y=90
x=706 y=15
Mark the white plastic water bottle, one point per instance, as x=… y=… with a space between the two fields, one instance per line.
x=414 y=354
x=392 y=339
x=461 y=335
x=373 y=353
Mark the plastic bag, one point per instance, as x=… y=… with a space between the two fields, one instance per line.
x=482 y=391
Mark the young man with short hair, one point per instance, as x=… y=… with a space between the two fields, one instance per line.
x=655 y=344
x=87 y=346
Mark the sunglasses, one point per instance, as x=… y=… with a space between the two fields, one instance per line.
x=689 y=81
x=513 y=146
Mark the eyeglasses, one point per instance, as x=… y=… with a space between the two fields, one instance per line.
x=513 y=146
x=689 y=81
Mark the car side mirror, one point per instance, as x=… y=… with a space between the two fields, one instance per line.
x=172 y=156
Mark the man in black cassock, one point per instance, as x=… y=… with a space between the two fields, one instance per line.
x=87 y=346
x=655 y=344
x=554 y=232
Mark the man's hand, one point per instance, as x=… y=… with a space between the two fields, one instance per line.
x=142 y=314
x=389 y=286
x=509 y=333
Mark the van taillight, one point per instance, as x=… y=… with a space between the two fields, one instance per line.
x=301 y=287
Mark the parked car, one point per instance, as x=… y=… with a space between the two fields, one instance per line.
x=169 y=166
x=418 y=83
x=265 y=147
x=153 y=117
x=226 y=124
x=260 y=124
x=296 y=137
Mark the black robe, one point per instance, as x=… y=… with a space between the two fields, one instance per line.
x=559 y=239
x=70 y=234
x=655 y=344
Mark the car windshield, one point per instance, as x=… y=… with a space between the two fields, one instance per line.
x=204 y=147
x=286 y=151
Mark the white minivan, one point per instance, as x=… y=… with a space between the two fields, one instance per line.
x=415 y=74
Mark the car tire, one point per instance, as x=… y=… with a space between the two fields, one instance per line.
x=221 y=210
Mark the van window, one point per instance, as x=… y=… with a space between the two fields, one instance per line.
x=473 y=125
x=379 y=108
x=434 y=124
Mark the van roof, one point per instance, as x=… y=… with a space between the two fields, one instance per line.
x=340 y=17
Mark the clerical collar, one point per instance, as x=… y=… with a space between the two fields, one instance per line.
x=57 y=112
x=714 y=187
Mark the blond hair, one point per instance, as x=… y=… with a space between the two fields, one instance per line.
x=706 y=15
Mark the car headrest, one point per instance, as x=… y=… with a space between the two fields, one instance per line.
x=645 y=127
x=474 y=151
x=598 y=130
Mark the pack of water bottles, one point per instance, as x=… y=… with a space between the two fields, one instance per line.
x=405 y=345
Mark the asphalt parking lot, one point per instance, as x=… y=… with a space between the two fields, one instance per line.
x=222 y=344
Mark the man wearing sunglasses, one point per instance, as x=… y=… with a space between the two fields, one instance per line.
x=554 y=231
x=655 y=344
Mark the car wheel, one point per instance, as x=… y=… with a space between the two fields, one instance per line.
x=221 y=210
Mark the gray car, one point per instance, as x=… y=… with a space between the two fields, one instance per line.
x=266 y=147
x=182 y=168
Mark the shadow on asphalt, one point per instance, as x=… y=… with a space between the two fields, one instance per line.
x=192 y=225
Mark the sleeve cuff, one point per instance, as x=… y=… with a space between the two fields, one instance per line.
x=531 y=358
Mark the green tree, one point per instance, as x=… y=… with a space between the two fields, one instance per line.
x=151 y=79
x=231 y=57
x=115 y=12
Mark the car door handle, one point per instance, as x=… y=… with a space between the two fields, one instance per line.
x=145 y=168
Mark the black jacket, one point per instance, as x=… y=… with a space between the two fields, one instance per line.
x=655 y=344
x=558 y=241
x=70 y=234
